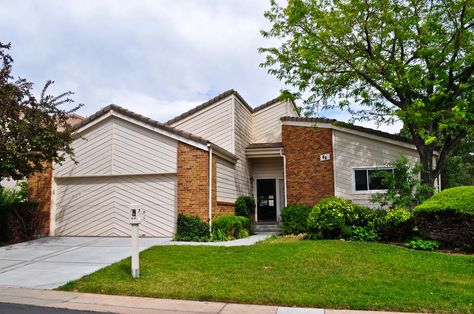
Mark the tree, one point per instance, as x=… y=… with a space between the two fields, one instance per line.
x=32 y=131
x=459 y=168
x=382 y=60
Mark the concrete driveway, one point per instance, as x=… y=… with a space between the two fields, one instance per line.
x=50 y=262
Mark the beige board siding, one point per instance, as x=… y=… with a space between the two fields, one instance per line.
x=266 y=123
x=267 y=168
x=99 y=206
x=243 y=137
x=351 y=151
x=118 y=147
x=213 y=123
x=225 y=180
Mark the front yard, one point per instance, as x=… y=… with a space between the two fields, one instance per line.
x=324 y=274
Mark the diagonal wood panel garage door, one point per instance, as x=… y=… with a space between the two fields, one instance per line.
x=99 y=206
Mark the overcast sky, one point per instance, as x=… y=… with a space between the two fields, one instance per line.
x=157 y=58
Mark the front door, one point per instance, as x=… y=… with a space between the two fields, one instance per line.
x=266 y=200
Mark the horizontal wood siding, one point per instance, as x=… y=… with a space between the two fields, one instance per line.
x=267 y=168
x=356 y=151
x=99 y=206
x=213 y=123
x=243 y=137
x=266 y=123
x=226 y=185
x=118 y=147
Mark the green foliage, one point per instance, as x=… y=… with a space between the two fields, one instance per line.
x=333 y=217
x=382 y=61
x=191 y=228
x=10 y=196
x=229 y=227
x=459 y=200
x=459 y=168
x=32 y=131
x=394 y=224
x=244 y=206
x=424 y=245
x=294 y=219
x=19 y=220
x=363 y=234
x=405 y=188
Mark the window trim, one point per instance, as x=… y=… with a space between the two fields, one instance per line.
x=368 y=191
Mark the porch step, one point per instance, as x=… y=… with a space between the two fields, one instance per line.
x=267 y=227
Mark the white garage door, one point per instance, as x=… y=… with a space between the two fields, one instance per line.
x=99 y=206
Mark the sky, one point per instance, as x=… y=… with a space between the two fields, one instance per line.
x=157 y=58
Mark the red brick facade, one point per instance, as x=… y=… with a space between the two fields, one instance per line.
x=39 y=189
x=308 y=178
x=193 y=184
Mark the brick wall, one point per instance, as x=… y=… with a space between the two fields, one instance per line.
x=39 y=189
x=308 y=179
x=223 y=208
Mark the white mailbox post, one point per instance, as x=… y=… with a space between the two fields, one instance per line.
x=135 y=219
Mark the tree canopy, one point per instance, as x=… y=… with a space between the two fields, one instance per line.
x=382 y=60
x=33 y=131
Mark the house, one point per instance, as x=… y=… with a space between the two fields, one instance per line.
x=199 y=162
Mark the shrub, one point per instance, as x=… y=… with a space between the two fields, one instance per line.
x=19 y=221
x=363 y=234
x=228 y=227
x=448 y=217
x=405 y=188
x=333 y=217
x=425 y=245
x=394 y=224
x=191 y=228
x=294 y=219
x=245 y=206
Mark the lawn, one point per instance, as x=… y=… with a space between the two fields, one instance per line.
x=324 y=274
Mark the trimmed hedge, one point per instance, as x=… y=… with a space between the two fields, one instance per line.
x=459 y=200
x=229 y=227
x=448 y=217
x=394 y=224
x=191 y=228
x=294 y=219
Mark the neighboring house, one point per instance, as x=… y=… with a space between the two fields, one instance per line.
x=268 y=152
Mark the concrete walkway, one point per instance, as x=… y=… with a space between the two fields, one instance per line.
x=50 y=262
x=128 y=305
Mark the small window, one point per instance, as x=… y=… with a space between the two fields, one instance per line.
x=371 y=179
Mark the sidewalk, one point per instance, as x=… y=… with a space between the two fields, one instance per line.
x=129 y=305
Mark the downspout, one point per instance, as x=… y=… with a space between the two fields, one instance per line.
x=284 y=174
x=210 y=186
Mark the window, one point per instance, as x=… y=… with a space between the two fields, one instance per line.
x=371 y=179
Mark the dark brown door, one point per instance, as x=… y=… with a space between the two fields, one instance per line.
x=266 y=199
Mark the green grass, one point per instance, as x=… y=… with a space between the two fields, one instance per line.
x=324 y=274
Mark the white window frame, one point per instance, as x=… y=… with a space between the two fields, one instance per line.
x=368 y=191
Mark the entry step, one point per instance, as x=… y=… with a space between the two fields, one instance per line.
x=267 y=227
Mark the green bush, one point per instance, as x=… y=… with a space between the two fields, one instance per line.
x=333 y=217
x=458 y=200
x=191 y=228
x=245 y=206
x=448 y=217
x=394 y=224
x=425 y=245
x=229 y=227
x=294 y=219
x=363 y=234
x=19 y=221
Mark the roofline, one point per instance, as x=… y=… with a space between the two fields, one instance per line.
x=183 y=136
x=208 y=103
x=272 y=102
x=339 y=125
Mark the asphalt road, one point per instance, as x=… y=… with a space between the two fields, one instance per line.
x=10 y=308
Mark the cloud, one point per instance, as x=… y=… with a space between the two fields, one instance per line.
x=157 y=58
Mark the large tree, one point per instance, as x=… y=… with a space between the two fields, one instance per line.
x=33 y=131
x=383 y=60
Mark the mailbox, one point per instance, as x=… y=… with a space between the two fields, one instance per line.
x=136 y=213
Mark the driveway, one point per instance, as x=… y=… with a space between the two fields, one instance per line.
x=50 y=262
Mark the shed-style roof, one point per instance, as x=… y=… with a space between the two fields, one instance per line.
x=351 y=126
